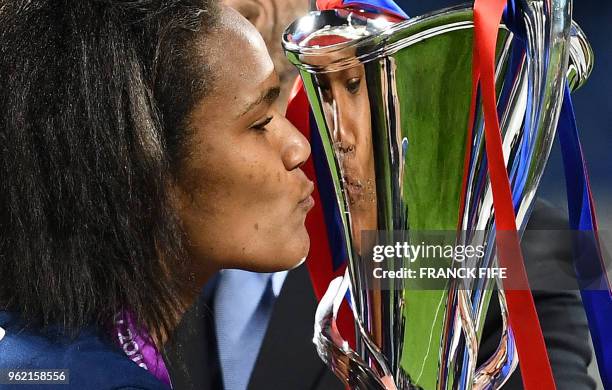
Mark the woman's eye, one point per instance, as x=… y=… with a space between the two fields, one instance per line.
x=261 y=125
x=353 y=85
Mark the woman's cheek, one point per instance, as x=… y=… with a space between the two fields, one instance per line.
x=280 y=232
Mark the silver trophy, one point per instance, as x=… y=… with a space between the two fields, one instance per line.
x=391 y=102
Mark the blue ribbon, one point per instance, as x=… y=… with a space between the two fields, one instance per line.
x=588 y=262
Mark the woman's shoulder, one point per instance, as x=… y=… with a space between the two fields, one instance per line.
x=91 y=361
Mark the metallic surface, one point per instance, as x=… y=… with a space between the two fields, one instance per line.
x=391 y=103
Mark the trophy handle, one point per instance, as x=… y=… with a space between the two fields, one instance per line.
x=336 y=352
x=547 y=28
x=581 y=58
x=505 y=359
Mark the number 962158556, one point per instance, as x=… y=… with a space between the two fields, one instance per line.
x=30 y=376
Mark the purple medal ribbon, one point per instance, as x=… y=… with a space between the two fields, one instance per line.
x=138 y=346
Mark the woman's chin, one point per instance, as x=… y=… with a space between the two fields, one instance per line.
x=292 y=254
x=292 y=259
x=293 y=262
x=302 y=249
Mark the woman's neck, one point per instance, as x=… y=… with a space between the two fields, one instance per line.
x=189 y=292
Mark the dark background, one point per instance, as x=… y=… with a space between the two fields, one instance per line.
x=593 y=105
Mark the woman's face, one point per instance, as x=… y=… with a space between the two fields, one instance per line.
x=243 y=198
x=347 y=109
x=346 y=106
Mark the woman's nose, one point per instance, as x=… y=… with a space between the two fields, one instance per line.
x=295 y=147
x=343 y=126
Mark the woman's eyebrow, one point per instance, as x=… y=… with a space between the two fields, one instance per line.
x=269 y=96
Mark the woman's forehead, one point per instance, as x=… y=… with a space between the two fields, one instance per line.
x=236 y=52
x=241 y=67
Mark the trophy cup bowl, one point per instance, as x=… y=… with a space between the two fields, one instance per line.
x=391 y=103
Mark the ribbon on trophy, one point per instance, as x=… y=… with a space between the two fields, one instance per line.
x=522 y=315
x=590 y=269
x=588 y=260
x=389 y=7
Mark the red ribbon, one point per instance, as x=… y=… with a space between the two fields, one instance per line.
x=329 y=4
x=523 y=318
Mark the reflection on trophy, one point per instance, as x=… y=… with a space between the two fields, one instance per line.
x=346 y=105
x=391 y=102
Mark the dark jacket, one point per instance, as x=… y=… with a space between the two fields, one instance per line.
x=288 y=360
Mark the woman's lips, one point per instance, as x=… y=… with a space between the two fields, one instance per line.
x=307 y=201
x=354 y=188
